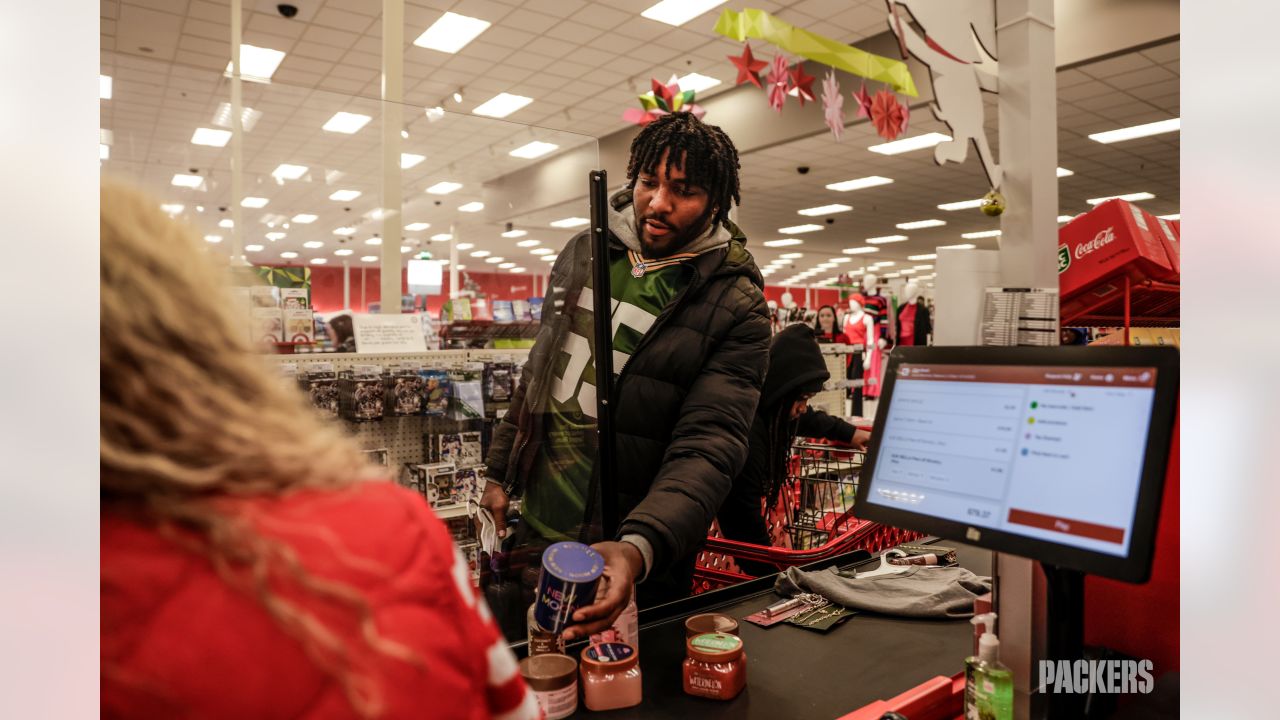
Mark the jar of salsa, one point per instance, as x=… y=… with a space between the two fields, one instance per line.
x=610 y=676
x=716 y=666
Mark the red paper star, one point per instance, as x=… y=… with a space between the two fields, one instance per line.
x=801 y=84
x=863 y=98
x=887 y=116
x=779 y=82
x=748 y=66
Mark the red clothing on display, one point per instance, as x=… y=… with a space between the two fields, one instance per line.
x=180 y=641
x=907 y=324
x=856 y=331
x=832 y=338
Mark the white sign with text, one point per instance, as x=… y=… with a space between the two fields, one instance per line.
x=389 y=334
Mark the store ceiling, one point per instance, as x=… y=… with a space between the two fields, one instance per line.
x=583 y=64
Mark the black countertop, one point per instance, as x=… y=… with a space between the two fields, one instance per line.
x=798 y=673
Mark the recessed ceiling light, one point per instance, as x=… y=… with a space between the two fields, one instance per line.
x=443 y=188
x=213 y=238
x=860 y=250
x=527 y=243
x=1131 y=197
x=495 y=260
x=548 y=258
x=920 y=224
x=517 y=270
x=785 y=242
x=257 y=64
x=961 y=246
x=172 y=208
x=344 y=231
x=1063 y=172
x=304 y=218
x=542 y=251
x=474 y=206
x=373 y=241
x=404 y=249
x=417 y=227
x=1066 y=218
x=408 y=160
x=343 y=251
x=104 y=87
x=1137 y=131
x=570 y=222
x=226 y=223
x=791 y=256
x=285 y=171
x=825 y=266
x=344 y=195
x=253 y=248
x=841 y=260
x=697 y=82
x=883 y=264
x=346 y=123
x=481 y=253
x=248 y=117
x=679 y=12
x=886 y=239
x=211 y=137
x=1173 y=216
x=319 y=261
x=274 y=236
x=254 y=202
x=104 y=151
x=187 y=181
x=516 y=234
x=369 y=258
x=859 y=183
x=927 y=256
x=532 y=150
x=919 y=142
x=961 y=205
x=825 y=210
x=923 y=267
x=313 y=244
x=451 y=32
x=983 y=234
x=506 y=265
x=446 y=237
x=288 y=255
x=797 y=229
x=501 y=105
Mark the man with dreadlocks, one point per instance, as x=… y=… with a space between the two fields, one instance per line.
x=690 y=346
x=797 y=372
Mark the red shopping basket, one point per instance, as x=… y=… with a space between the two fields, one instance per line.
x=813 y=520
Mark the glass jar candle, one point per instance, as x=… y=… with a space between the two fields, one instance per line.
x=709 y=623
x=553 y=679
x=715 y=667
x=610 y=676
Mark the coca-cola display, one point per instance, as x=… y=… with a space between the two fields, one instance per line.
x=1098 y=249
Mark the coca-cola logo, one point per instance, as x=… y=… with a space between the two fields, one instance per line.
x=1099 y=241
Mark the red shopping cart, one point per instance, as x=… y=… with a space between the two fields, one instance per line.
x=813 y=520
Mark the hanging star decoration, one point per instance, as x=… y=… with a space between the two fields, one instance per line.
x=748 y=66
x=779 y=82
x=864 y=101
x=801 y=84
x=662 y=100
x=886 y=115
x=833 y=104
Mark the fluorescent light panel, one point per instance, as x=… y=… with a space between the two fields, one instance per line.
x=471 y=207
x=961 y=205
x=535 y=149
x=1174 y=216
x=210 y=137
x=187 y=181
x=859 y=183
x=104 y=151
x=344 y=195
x=1063 y=172
x=961 y=246
x=542 y=251
x=319 y=261
x=346 y=123
x=495 y=260
x=526 y=243
x=254 y=202
x=697 y=82
x=253 y=248
x=451 y=32
x=1066 y=218
x=172 y=208
x=791 y=256
x=417 y=227
x=797 y=229
x=785 y=242
x=304 y=218
x=343 y=252
x=1137 y=131
x=285 y=171
x=983 y=234
x=257 y=64
x=501 y=105
x=408 y=160
x=369 y=258
x=344 y=231
x=104 y=87
x=313 y=244
x=919 y=142
x=1131 y=197
x=288 y=255
x=248 y=117
x=679 y=12
x=886 y=239
x=443 y=188
x=516 y=234
x=446 y=237
x=920 y=224
x=825 y=210
x=860 y=250
x=570 y=222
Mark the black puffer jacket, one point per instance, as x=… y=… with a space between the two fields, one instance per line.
x=683 y=402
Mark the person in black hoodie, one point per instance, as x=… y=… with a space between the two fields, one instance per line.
x=796 y=373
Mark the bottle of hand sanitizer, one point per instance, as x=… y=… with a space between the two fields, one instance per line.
x=973 y=664
x=993 y=692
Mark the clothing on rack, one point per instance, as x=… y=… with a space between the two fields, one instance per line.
x=914 y=324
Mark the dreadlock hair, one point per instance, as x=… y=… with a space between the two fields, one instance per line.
x=704 y=152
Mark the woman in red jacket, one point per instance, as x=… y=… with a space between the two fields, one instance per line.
x=254 y=565
x=825 y=328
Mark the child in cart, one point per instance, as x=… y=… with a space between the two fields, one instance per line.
x=796 y=373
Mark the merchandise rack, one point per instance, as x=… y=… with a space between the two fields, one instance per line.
x=1145 y=303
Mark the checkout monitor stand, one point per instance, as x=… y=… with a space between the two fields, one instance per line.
x=1064 y=637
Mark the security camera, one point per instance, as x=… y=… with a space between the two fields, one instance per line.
x=831 y=221
x=287 y=10
x=803 y=169
x=222 y=208
x=438 y=203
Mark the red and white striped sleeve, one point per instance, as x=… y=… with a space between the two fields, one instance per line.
x=507 y=695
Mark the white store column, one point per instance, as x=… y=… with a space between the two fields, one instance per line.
x=1028 y=117
x=237 y=141
x=392 y=124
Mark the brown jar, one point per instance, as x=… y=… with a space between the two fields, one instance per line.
x=716 y=666
x=709 y=623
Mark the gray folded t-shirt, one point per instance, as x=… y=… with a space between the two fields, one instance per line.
x=918 y=591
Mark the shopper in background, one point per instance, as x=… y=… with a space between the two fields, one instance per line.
x=825 y=328
x=690 y=346
x=797 y=372
x=250 y=569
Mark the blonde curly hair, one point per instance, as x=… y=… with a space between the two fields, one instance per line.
x=191 y=414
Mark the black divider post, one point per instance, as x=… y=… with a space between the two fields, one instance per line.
x=607 y=459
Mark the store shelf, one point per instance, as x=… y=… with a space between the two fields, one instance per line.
x=1149 y=304
x=450 y=511
x=485 y=330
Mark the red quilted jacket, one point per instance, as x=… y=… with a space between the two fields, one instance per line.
x=178 y=641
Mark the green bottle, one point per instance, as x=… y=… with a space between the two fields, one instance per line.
x=993 y=682
x=973 y=664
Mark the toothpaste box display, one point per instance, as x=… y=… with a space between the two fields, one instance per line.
x=1098 y=249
